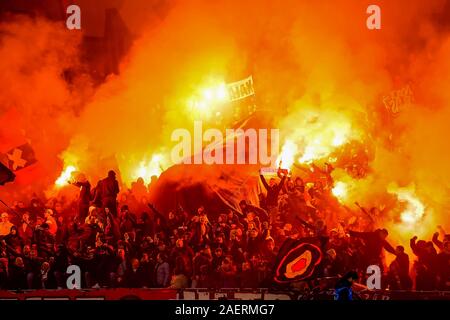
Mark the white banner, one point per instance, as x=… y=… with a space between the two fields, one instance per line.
x=241 y=89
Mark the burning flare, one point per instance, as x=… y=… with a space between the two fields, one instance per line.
x=323 y=143
x=317 y=136
x=150 y=168
x=287 y=156
x=207 y=100
x=414 y=210
x=65 y=176
x=340 y=190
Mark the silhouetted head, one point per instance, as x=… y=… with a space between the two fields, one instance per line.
x=351 y=276
x=399 y=249
x=383 y=233
x=272 y=182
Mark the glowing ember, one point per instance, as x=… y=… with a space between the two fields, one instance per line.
x=65 y=176
x=340 y=190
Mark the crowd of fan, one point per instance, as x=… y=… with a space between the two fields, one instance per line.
x=120 y=240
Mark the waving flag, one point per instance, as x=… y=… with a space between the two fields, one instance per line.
x=19 y=157
x=298 y=259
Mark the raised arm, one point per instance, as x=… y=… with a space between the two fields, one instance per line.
x=80 y=184
x=357 y=234
x=437 y=242
x=412 y=244
x=281 y=184
x=264 y=182
x=387 y=246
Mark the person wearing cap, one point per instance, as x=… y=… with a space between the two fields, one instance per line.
x=5 y=224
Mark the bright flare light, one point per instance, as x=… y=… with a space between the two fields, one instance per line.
x=319 y=135
x=207 y=99
x=65 y=176
x=148 y=169
x=287 y=156
x=314 y=150
x=324 y=144
x=414 y=210
x=221 y=93
x=339 y=139
x=340 y=190
x=208 y=94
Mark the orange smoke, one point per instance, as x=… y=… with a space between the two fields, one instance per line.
x=317 y=70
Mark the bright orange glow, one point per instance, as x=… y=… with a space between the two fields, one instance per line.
x=320 y=144
x=65 y=176
x=147 y=169
x=414 y=208
x=377 y=109
x=287 y=155
x=207 y=100
x=340 y=190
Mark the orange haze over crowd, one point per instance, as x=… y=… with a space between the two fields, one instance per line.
x=320 y=73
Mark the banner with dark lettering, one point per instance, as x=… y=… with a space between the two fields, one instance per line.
x=241 y=89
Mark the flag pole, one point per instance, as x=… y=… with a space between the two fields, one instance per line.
x=13 y=211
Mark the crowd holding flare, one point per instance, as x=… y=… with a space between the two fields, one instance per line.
x=329 y=99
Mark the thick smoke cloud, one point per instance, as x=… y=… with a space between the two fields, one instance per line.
x=303 y=55
x=37 y=104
